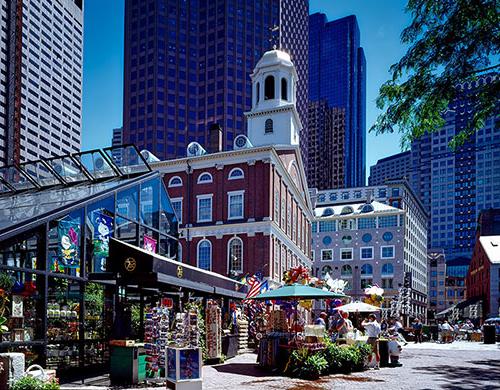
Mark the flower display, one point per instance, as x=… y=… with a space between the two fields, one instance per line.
x=374 y=295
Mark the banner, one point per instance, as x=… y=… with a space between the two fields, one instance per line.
x=149 y=244
x=69 y=244
x=103 y=228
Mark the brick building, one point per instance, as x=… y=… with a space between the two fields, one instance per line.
x=247 y=210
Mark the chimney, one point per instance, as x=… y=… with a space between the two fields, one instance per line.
x=215 y=138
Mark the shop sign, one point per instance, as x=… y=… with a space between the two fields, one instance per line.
x=180 y=272
x=130 y=264
x=167 y=302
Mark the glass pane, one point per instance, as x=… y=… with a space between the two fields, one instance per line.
x=149 y=202
x=96 y=164
x=40 y=173
x=169 y=247
x=22 y=304
x=65 y=244
x=23 y=253
x=127 y=159
x=63 y=309
x=15 y=178
x=100 y=221
x=168 y=220
x=68 y=169
x=126 y=231
x=127 y=203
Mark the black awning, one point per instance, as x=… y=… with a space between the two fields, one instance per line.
x=135 y=265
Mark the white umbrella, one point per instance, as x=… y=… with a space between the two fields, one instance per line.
x=358 y=307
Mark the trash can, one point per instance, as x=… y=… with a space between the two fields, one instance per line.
x=489 y=334
x=383 y=350
x=124 y=365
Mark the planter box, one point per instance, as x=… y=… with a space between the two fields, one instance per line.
x=230 y=345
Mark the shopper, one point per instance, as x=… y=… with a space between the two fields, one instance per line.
x=372 y=328
x=321 y=320
x=447 y=331
x=417 y=330
x=397 y=328
x=344 y=325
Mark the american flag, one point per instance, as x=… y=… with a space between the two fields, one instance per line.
x=256 y=286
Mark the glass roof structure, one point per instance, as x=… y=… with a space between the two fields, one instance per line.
x=31 y=190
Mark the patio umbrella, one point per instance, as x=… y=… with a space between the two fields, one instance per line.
x=298 y=291
x=358 y=307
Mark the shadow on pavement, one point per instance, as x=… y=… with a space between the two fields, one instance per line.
x=456 y=377
x=246 y=369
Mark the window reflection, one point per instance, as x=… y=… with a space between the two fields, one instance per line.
x=149 y=202
x=127 y=203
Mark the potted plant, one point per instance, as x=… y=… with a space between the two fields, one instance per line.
x=6 y=282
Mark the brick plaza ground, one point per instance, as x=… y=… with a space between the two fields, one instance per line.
x=461 y=365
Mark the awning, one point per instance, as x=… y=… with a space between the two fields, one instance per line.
x=138 y=266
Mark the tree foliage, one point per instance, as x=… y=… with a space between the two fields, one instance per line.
x=450 y=42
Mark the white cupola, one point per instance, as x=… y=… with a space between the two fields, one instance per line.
x=274 y=119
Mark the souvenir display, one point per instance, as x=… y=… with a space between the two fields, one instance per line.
x=17 y=306
x=156 y=326
x=213 y=330
x=184 y=367
x=186 y=330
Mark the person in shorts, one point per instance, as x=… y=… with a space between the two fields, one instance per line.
x=373 y=330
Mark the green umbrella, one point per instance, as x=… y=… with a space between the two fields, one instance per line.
x=298 y=291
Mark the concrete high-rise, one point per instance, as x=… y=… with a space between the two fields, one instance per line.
x=40 y=78
x=397 y=166
x=456 y=186
x=188 y=66
x=325 y=146
x=337 y=73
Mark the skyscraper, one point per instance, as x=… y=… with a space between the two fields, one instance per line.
x=337 y=73
x=397 y=166
x=325 y=146
x=456 y=186
x=188 y=66
x=40 y=78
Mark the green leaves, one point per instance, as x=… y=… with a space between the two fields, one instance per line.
x=451 y=42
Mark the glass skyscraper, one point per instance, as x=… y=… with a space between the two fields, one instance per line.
x=337 y=73
x=188 y=65
x=456 y=186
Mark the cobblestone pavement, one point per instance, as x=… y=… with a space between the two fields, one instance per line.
x=460 y=365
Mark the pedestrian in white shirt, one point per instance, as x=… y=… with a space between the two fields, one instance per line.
x=373 y=330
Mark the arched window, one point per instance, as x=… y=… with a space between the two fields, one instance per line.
x=347 y=210
x=235 y=255
x=257 y=92
x=236 y=173
x=367 y=270
x=269 y=88
x=205 y=255
x=205 y=177
x=327 y=212
x=326 y=270
x=367 y=208
x=387 y=269
x=346 y=270
x=268 y=126
x=284 y=89
x=175 y=181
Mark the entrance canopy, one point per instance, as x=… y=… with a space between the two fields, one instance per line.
x=137 y=266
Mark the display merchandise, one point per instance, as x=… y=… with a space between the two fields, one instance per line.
x=184 y=368
x=156 y=331
x=213 y=329
x=186 y=332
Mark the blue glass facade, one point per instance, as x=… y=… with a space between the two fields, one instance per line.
x=456 y=186
x=187 y=66
x=337 y=73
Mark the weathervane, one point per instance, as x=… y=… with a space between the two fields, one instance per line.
x=272 y=38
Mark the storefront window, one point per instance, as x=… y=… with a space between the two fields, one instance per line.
x=21 y=303
x=168 y=220
x=169 y=247
x=65 y=244
x=100 y=221
x=149 y=240
x=23 y=253
x=149 y=202
x=63 y=323
x=127 y=203
x=126 y=231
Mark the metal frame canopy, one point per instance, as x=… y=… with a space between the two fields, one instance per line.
x=135 y=266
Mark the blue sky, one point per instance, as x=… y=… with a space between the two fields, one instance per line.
x=380 y=25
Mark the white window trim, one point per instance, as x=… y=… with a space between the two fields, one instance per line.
x=198 y=253
x=393 y=251
x=227 y=256
x=200 y=197
x=237 y=177
x=326 y=250
x=205 y=181
x=233 y=193
x=170 y=185
x=346 y=250
x=361 y=253
x=179 y=217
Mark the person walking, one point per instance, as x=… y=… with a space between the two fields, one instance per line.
x=447 y=332
x=372 y=328
x=344 y=325
x=417 y=330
